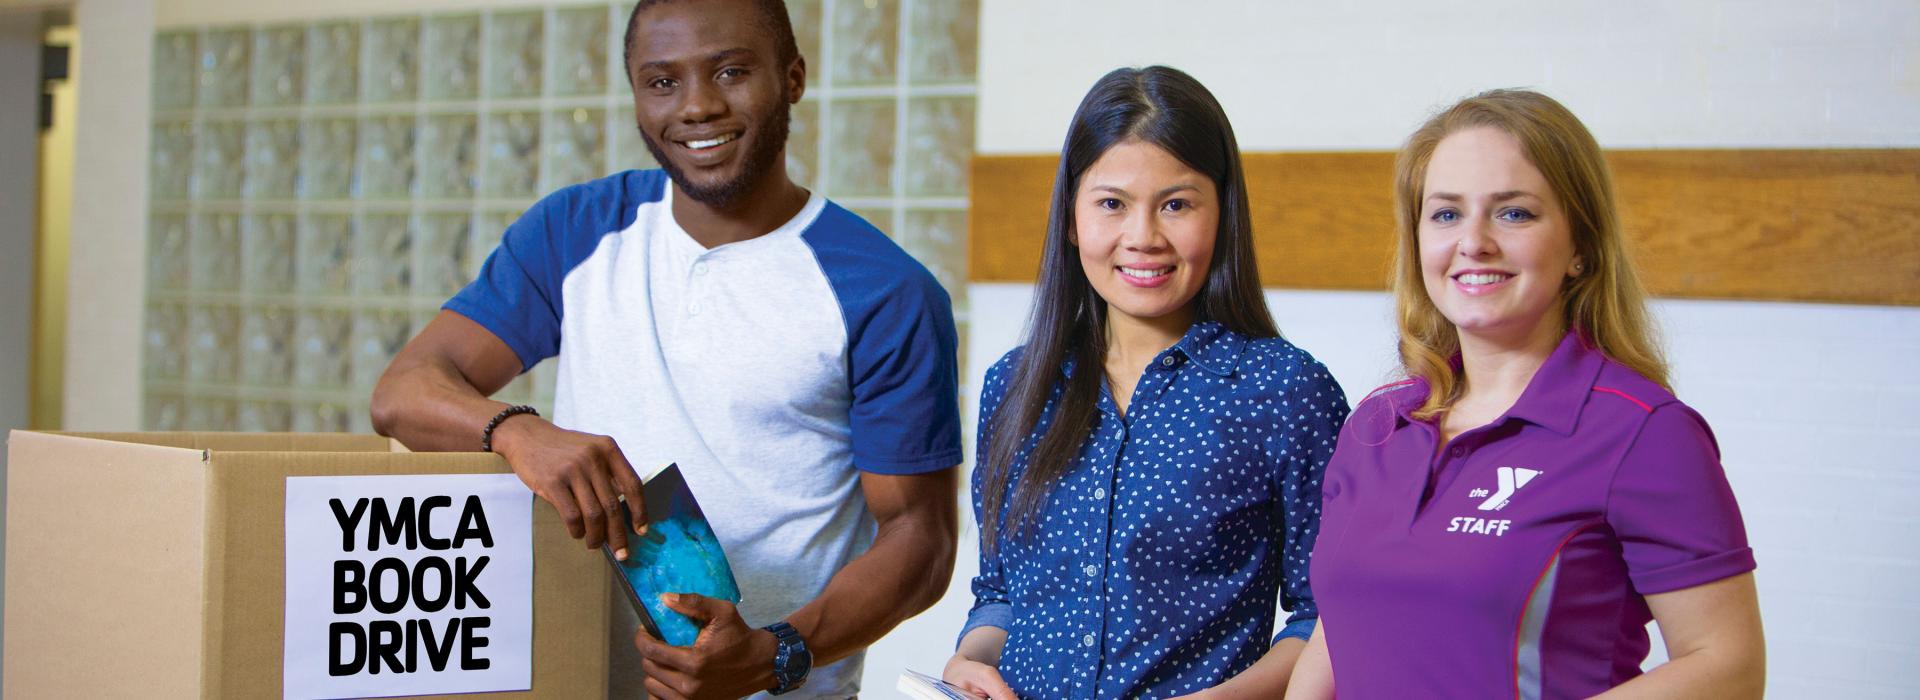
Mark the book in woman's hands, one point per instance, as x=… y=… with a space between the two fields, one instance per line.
x=679 y=554
x=920 y=686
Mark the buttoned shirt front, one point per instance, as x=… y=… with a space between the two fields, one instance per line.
x=1514 y=562
x=1156 y=558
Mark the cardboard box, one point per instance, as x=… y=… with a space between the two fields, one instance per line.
x=152 y=564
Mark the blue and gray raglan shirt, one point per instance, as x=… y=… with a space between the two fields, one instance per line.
x=773 y=370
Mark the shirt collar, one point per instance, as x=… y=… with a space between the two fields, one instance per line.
x=1212 y=347
x=1207 y=343
x=1552 y=399
x=1559 y=389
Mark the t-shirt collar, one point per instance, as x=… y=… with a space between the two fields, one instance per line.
x=801 y=220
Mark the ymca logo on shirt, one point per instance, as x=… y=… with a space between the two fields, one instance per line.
x=1510 y=479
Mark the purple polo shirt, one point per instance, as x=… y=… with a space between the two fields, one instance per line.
x=1514 y=563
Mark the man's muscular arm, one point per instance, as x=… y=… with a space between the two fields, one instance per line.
x=433 y=398
x=906 y=571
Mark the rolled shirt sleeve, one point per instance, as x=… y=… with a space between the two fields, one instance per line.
x=1319 y=409
x=1672 y=509
x=991 y=606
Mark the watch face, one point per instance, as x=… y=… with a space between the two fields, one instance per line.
x=799 y=661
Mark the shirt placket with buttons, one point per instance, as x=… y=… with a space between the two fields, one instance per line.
x=697 y=283
x=1108 y=462
x=1444 y=464
x=1103 y=460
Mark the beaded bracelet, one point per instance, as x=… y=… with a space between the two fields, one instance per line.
x=486 y=435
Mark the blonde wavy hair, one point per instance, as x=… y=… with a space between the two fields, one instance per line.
x=1606 y=303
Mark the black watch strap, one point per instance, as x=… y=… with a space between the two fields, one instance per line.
x=791 y=659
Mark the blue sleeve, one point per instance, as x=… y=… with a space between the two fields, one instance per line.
x=517 y=294
x=991 y=607
x=906 y=386
x=1315 y=409
x=902 y=349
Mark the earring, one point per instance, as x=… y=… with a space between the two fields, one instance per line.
x=1579 y=268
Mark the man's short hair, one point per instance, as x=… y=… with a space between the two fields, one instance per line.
x=769 y=15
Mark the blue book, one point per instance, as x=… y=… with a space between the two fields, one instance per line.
x=679 y=554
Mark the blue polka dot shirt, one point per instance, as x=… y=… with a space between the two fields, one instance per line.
x=1157 y=556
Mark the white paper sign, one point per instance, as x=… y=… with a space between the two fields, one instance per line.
x=408 y=585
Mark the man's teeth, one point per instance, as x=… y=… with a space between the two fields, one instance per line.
x=1145 y=274
x=709 y=143
x=1483 y=278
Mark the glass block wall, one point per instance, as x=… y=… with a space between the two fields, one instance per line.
x=319 y=188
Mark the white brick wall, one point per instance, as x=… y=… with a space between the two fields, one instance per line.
x=1293 y=76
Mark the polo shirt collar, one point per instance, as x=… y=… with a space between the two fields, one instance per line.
x=1212 y=347
x=1559 y=389
x=1553 y=398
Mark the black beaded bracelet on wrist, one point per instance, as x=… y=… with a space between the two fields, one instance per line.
x=486 y=435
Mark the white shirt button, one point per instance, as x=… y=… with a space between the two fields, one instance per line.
x=1092 y=570
x=1100 y=494
x=1087 y=640
x=700 y=268
x=693 y=309
x=1166 y=361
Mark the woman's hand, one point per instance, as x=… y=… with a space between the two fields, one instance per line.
x=977 y=678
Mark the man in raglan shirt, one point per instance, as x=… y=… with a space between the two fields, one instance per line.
x=798 y=365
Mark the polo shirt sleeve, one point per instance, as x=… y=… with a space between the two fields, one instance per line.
x=1313 y=414
x=904 y=372
x=991 y=606
x=1672 y=509
x=517 y=294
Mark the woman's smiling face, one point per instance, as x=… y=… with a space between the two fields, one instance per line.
x=1144 y=224
x=1496 y=248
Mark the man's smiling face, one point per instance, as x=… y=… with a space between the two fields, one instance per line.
x=712 y=96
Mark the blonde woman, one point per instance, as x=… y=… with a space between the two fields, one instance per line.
x=1506 y=521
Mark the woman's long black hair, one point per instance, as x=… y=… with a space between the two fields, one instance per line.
x=1156 y=105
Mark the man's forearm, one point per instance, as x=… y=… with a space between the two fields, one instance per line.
x=429 y=407
x=905 y=572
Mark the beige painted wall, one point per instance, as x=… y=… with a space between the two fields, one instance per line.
x=50 y=280
x=108 y=262
x=20 y=35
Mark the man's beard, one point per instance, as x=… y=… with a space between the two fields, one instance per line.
x=768 y=143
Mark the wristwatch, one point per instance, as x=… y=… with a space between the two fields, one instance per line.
x=791 y=660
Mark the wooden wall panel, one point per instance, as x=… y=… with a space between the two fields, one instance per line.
x=1796 y=225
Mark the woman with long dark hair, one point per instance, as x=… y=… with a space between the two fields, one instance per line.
x=1149 y=461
